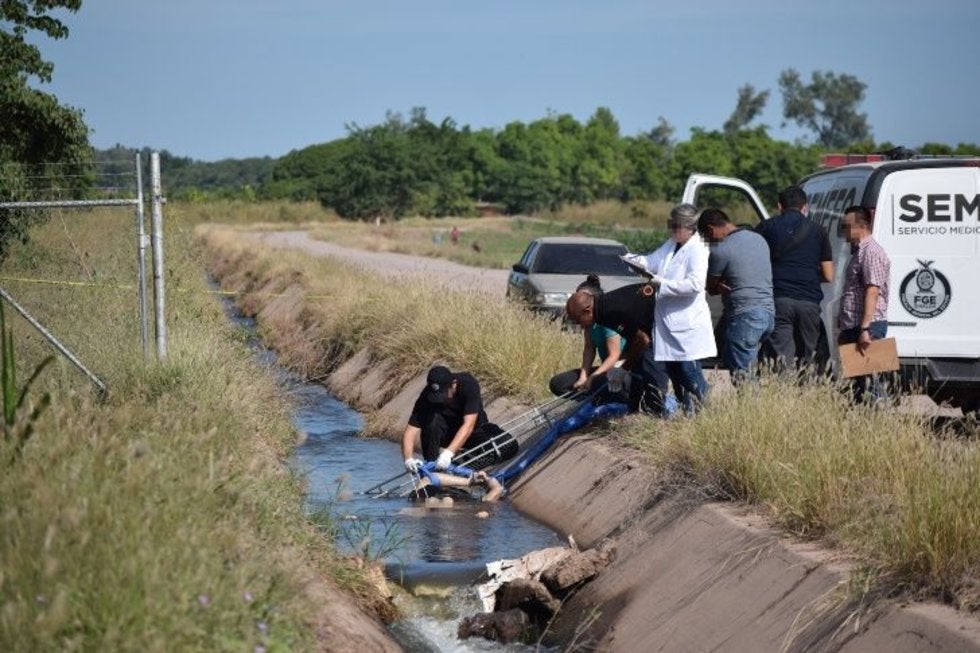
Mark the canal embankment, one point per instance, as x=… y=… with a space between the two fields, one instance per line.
x=690 y=573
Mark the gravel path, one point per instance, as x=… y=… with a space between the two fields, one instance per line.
x=394 y=265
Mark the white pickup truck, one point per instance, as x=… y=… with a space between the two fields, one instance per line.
x=927 y=217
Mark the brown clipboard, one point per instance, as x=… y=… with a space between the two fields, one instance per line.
x=880 y=356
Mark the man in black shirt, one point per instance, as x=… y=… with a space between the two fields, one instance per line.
x=449 y=420
x=629 y=312
x=799 y=250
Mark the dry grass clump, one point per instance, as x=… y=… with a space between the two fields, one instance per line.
x=409 y=323
x=240 y=212
x=875 y=481
x=161 y=518
x=643 y=214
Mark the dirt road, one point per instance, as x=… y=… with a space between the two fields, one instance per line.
x=394 y=265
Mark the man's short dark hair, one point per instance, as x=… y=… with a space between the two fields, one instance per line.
x=712 y=218
x=792 y=197
x=860 y=213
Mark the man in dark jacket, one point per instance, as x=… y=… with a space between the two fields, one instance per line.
x=629 y=312
x=448 y=419
x=799 y=250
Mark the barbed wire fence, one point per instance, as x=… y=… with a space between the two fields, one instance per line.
x=74 y=186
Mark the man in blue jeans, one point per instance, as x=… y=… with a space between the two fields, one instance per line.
x=739 y=270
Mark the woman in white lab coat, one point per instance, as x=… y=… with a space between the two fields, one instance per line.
x=681 y=317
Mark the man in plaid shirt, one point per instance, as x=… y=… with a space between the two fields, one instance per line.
x=864 y=300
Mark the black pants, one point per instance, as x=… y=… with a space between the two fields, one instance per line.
x=486 y=445
x=648 y=395
x=794 y=338
x=562 y=383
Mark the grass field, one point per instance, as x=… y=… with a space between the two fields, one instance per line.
x=162 y=518
x=492 y=242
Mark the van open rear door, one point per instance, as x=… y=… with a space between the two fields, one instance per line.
x=698 y=184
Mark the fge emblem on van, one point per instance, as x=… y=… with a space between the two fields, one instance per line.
x=925 y=291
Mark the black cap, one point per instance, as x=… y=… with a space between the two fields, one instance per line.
x=438 y=382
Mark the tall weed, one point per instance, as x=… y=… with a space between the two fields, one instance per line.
x=161 y=518
x=304 y=301
x=19 y=416
x=875 y=481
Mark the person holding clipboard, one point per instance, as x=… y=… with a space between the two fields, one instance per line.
x=863 y=316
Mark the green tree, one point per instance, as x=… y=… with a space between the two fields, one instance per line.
x=828 y=106
x=372 y=174
x=749 y=154
x=442 y=179
x=530 y=176
x=600 y=164
x=483 y=164
x=749 y=105
x=43 y=145
x=967 y=149
x=297 y=175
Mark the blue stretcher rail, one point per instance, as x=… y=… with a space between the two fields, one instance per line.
x=582 y=416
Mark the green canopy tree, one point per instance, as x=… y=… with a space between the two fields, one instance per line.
x=600 y=162
x=371 y=173
x=43 y=144
x=828 y=106
x=442 y=176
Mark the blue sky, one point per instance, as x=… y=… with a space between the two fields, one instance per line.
x=212 y=79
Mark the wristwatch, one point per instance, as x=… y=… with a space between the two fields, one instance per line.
x=868 y=329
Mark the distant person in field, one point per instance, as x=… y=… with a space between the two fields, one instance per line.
x=454 y=235
x=799 y=250
x=863 y=313
x=448 y=421
x=739 y=271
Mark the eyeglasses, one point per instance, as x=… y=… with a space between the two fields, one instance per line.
x=677 y=227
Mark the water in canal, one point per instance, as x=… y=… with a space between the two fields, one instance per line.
x=436 y=552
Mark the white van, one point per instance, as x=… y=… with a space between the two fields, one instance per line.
x=927 y=217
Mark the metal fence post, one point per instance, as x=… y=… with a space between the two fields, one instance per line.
x=157 y=246
x=141 y=242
